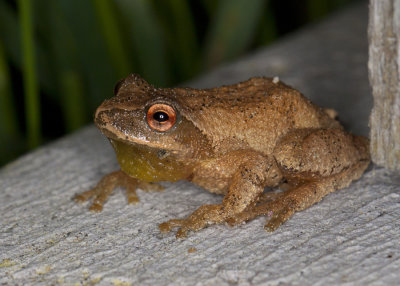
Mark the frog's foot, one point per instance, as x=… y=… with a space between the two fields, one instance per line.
x=262 y=207
x=214 y=214
x=202 y=217
x=108 y=183
x=281 y=208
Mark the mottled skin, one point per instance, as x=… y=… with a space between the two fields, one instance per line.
x=232 y=140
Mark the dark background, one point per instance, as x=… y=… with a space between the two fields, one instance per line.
x=60 y=58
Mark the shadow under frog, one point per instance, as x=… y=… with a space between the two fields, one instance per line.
x=231 y=140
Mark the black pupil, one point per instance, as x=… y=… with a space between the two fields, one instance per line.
x=160 y=116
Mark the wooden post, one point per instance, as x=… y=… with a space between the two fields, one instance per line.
x=384 y=75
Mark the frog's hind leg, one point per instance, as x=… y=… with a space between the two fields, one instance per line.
x=108 y=183
x=298 y=198
x=318 y=162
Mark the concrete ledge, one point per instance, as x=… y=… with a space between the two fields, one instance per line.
x=351 y=237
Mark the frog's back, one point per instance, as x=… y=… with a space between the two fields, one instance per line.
x=254 y=113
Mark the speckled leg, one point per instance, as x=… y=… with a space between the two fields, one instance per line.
x=318 y=162
x=246 y=186
x=299 y=198
x=108 y=183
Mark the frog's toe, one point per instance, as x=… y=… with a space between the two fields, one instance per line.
x=183 y=225
x=279 y=216
x=131 y=196
x=98 y=201
x=181 y=233
x=83 y=197
x=96 y=207
x=239 y=218
x=174 y=223
x=100 y=198
x=275 y=220
x=169 y=225
x=199 y=219
x=273 y=224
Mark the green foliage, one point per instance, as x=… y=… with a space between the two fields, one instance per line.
x=8 y=120
x=317 y=8
x=60 y=58
x=31 y=89
x=232 y=28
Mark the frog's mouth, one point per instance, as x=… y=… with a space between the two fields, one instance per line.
x=111 y=135
x=116 y=136
x=112 y=131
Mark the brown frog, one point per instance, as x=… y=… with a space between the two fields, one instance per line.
x=232 y=140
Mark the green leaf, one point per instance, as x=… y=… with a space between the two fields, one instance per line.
x=64 y=54
x=94 y=63
x=180 y=34
x=31 y=88
x=210 y=6
x=72 y=103
x=8 y=116
x=147 y=39
x=10 y=143
x=317 y=8
x=232 y=29
x=267 y=29
x=112 y=34
x=10 y=34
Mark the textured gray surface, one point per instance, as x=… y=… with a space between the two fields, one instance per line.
x=351 y=237
x=384 y=72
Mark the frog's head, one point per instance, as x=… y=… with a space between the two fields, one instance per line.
x=143 y=116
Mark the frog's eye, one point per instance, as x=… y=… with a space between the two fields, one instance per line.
x=161 y=117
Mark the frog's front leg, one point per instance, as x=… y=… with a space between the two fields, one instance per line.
x=247 y=184
x=108 y=183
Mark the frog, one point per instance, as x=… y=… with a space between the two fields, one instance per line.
x=261 y=144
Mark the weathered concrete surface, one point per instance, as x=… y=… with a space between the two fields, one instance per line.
x=351 y=237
